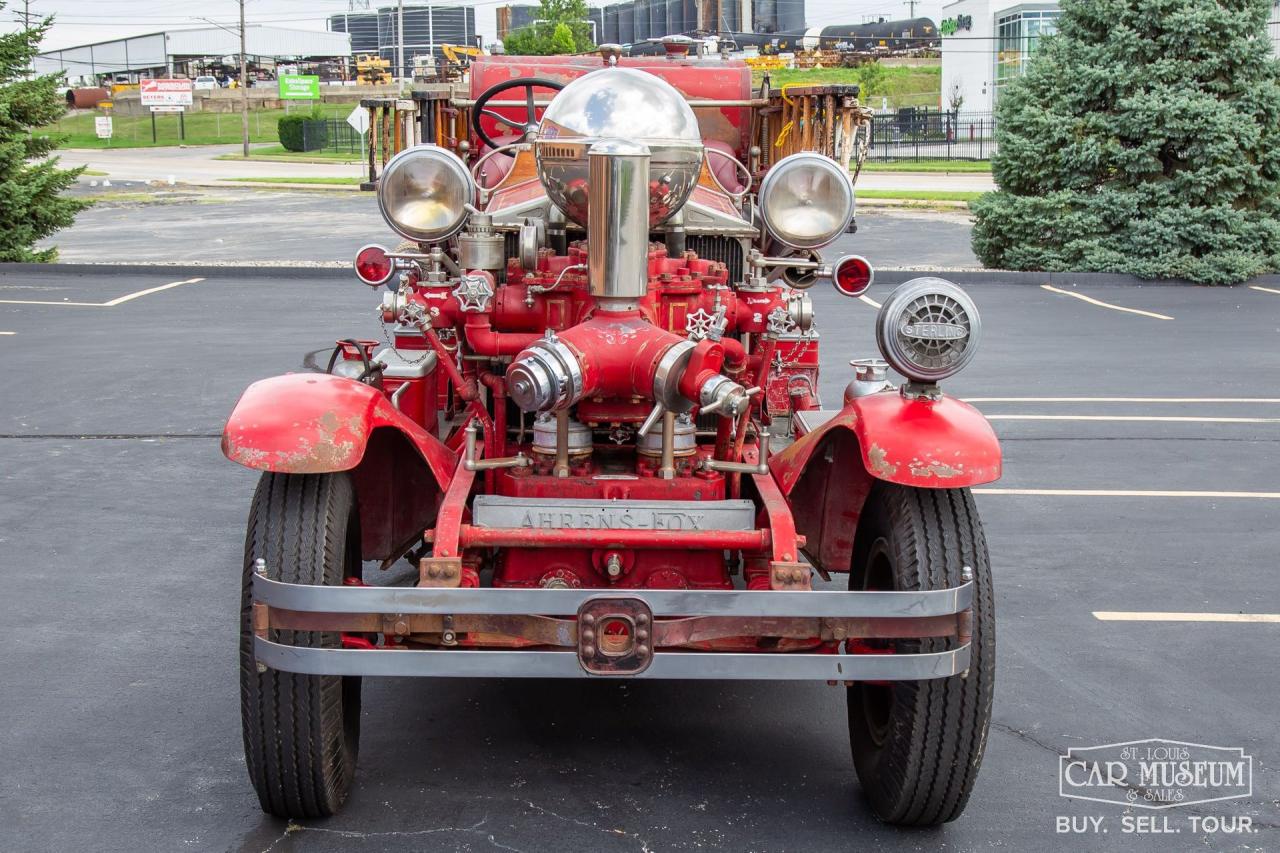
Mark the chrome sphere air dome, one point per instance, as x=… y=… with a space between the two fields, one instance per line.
x=619 y=103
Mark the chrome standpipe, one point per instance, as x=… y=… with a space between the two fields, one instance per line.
x=618 y=223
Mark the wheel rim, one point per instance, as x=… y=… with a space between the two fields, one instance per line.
x=876 y=700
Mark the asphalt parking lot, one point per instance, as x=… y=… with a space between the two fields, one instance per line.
x=137 y=223
x=1141 y=478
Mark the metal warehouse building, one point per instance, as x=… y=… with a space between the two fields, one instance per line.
x=636 y=20
x=425 y=29
x=361 y=26
x=170 y=52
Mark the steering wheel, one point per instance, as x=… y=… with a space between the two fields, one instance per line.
x=530 y=111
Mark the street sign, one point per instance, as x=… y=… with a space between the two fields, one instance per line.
x=168 y=108
x=102 y=124
x=299 y=87
x=359 y=119
x=166 y=93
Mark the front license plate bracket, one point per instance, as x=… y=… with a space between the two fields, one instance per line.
x=615 y=636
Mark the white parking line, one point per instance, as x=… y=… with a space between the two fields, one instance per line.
x=1156 y=616
x=119 y=300
x=1264 y=289
x=869 y=301
x=150 y=290
x=1102 y=304
x=1126 y=493
x=1183 y=419
x=1122 y=399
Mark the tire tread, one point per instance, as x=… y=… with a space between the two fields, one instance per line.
x=300 y=746
x=925 y=772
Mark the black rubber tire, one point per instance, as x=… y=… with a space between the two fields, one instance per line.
x=301 y=732
x=917 y=745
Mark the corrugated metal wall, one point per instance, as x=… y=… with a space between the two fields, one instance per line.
x=596 y=14
x=276 y=42
x=362 y=27
x=641 y=25
x=514 y=17
x=610 y=34
x=140 y=53
x=425 y=29
x=791 y=16
x=626 y=23
x=691 y=15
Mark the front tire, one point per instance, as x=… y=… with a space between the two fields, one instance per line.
x=917 y=745
x=301 y=732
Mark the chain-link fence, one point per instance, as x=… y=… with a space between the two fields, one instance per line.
x=331 y=135
x=912 y=133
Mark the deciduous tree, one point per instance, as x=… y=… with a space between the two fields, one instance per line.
x=562 y=27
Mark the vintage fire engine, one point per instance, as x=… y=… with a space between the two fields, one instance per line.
x=594 y=431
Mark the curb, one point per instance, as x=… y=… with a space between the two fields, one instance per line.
x=910 y=204
x=271 y=269
x=260 y=185
x=342 y=270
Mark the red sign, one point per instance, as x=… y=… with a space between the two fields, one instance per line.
x=166 y=93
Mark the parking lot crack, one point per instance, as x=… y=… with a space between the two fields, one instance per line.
x=474 y=829
x=617 y=833
x=1024 y=736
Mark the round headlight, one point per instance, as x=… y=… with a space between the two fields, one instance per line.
x=424 y=192
x=806 y=200
x=928 y=329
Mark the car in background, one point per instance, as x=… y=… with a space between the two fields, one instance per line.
x=205 y=81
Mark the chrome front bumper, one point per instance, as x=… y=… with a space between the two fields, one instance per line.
x=670 y=615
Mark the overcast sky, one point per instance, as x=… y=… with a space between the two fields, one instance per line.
x=83 y=21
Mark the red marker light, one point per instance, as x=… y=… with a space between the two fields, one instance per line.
x=373 y=267
x=853 y=275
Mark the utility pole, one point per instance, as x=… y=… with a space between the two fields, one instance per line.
x=244 y=85
x=400 y=40
x=911 y=4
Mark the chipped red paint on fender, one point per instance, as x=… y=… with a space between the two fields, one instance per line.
x=315 y=423
x=942 y=444
x=828 y=473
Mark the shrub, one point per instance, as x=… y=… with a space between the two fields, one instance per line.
x=294 y=136
x=1143 y=139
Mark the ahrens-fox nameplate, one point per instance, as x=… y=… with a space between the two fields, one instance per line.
x=568 y=514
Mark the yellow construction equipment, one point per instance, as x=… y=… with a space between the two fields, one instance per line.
x=765 y=63
x=373 y=69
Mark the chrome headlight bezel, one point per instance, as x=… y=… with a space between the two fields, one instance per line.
x=806 y=181
x=928 y=329
x=426 y=175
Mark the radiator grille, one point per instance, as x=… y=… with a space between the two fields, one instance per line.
x=726 y=250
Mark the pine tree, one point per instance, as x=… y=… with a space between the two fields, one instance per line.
x=1143 y=139
x=31 y=202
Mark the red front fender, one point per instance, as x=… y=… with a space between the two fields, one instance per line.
x=942 y=444
x=828 y=473
x=309 y=423
x=314 y=423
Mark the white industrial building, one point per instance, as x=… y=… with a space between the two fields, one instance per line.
x=189 y=52
x=987 y=43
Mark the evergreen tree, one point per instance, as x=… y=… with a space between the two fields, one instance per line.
x=31 y=184
x=1144 y=138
